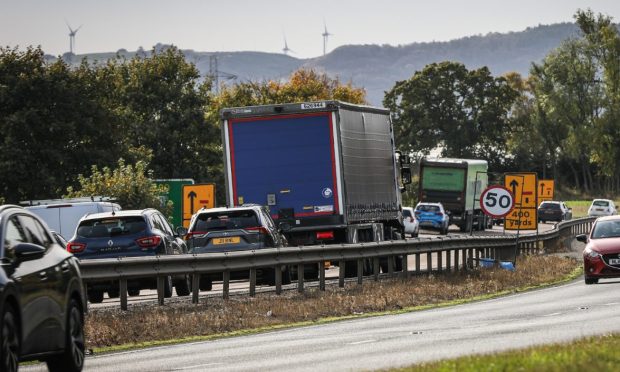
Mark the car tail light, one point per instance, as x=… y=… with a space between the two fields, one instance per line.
x=258 y=229
x=325 y=235
x=149 y=242
x=75 y=247
x=438 y=214
x=197 y=234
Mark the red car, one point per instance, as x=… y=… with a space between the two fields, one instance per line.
x=601 y=257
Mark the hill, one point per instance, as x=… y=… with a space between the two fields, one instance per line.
x=378 y=67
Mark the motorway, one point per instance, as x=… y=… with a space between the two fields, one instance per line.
x=548 y=315
x=149 y=297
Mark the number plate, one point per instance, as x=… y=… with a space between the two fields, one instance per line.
x=231 y=240
x=614 y=261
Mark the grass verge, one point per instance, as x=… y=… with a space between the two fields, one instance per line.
x=113 y=330
x=599 y=353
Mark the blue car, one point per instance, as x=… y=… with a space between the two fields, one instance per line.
x=132 y=233
x=432 y=215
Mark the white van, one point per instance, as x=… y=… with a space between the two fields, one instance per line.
x=63 y=215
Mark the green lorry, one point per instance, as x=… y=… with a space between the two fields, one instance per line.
x=457 y=185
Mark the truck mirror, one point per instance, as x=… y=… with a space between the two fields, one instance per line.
x=405 y=175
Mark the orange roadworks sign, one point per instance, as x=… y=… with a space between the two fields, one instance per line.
x=546 y=189
x=523 y=187
x=195 y=197
x=522 y=219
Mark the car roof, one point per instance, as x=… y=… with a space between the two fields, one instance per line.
x=125 y=213
x=551 y=202
x=607 y=200
x=427 y=203
x=226 y=209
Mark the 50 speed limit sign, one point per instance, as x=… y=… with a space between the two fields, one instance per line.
x=496 y=201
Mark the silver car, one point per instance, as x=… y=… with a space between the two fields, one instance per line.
x=602 y=207
x=412 y=226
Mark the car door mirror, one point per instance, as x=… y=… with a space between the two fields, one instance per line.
x=284 y=227
x=582 y=238
x=27 y=252
x=181 y=231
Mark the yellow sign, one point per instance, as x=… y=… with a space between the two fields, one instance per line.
x=196 y=197
x=522 y=219
x=523 y=187
x=546 y=188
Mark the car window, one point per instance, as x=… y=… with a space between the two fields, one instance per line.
x=13 y=235
x=113 y=226
x=406 y=213
x=606 y=229
x=550 y=206
x=428 y=208
x=35 y=232
x=165 y=226
x=600 y=203
x=225 y=220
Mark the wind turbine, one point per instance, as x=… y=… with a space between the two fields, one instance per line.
x=286 y=49
x=72 y=33
x=325 y=36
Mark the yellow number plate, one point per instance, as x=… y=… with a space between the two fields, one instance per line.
x=231 y=240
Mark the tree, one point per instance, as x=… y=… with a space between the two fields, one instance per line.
x=52 y=125
x=445 y=105
x=129 y=185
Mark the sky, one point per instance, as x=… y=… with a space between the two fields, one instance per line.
x=246 y=25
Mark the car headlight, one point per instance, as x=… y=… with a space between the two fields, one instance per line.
x=590 y=253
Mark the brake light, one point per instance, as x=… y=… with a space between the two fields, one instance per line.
x=75 y=247
x=325 y=235
x=198 y=234
x=258 y=229
x=149 y=241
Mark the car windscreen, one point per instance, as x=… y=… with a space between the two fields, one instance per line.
x=600 y=203
x=550 y=206
x=606 y=229
x=428 y=208
x=406 y=213
x=112 y=226
x=226 y=220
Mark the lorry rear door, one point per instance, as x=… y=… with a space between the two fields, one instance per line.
x=286 y=162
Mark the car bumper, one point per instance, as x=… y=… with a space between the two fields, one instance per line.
x=598 y=268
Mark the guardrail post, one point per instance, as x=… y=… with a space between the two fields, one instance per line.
x=278 y=273
x=360 y=271
x=390 y=265
x=322 y=276
x=123 y=293
x=440 y=261
x=405 y=265
x=225 y=284
x=417 y=263
x=429 y=263
x=300 y=278
x=375 y=268
x=448 y=260
x=253 y=281
x=470 y=256
x=195 y=287
x=160 y=290
x=477 y=260
x=456 y=260
x=342 y=268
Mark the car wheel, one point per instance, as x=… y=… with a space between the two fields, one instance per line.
x=9 y=340
x=168 y=287
x=184 y=286
x=72 y=359
x=133 y=292
x=206 y=284
x=113 y=293
x=95 y=297
x=591 y=280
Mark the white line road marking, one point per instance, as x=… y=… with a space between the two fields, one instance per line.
x=362 y=342
x=553 y=314
x=197 y=366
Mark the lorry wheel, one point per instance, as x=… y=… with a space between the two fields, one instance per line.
x=206 y=284
x=350 y=269
x=95 y=297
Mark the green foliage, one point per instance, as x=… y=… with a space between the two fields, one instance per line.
x=464 y=112
x=599 y=353
x=130 y=185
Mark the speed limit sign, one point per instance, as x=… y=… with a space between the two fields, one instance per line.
x=496 y=201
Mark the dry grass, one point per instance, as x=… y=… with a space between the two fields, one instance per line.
x=113 y=327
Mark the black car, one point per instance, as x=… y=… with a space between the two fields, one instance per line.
x=554 y=211
x=131 y=233
x=247 y=227
x=42 y=300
